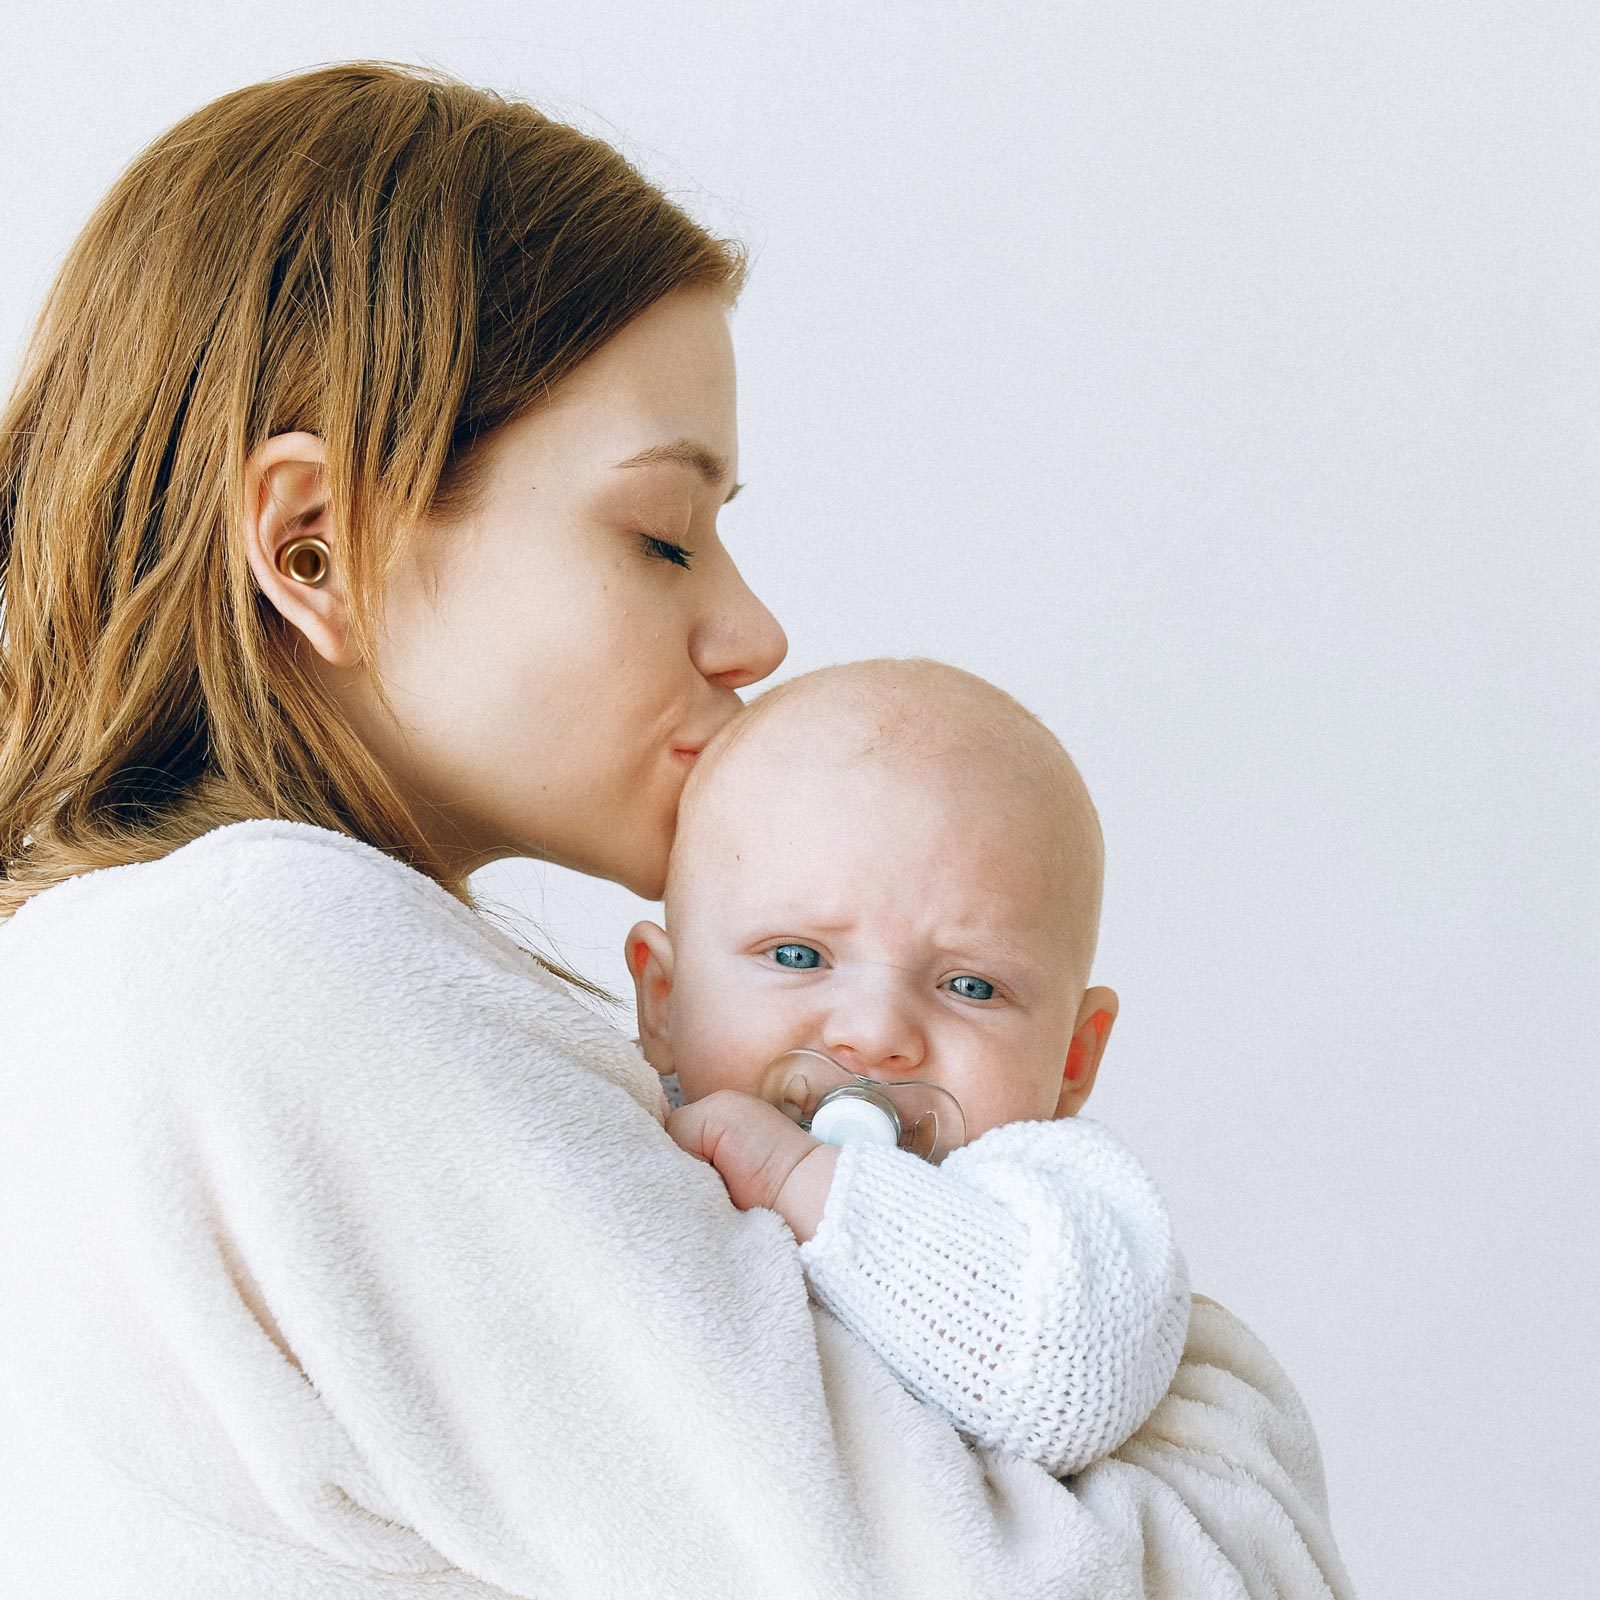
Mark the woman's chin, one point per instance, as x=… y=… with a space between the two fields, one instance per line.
x=647 y=880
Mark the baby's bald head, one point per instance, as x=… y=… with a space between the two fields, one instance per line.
x=953 y=735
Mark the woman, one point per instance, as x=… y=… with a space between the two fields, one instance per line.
x=358 y=505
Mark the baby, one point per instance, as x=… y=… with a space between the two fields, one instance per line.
x=894 y=863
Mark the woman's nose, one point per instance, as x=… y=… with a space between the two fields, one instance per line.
x=740 y=642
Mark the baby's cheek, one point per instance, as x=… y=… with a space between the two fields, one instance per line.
x=715 y=1053
x=700 y=1076
x=992 y=1104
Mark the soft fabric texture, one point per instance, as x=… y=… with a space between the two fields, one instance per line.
x=343 y=1253
x=1029 y=1285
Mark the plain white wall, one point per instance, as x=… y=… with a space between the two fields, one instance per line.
x=1223 y=381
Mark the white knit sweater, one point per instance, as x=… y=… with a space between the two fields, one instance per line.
x=343 y=1254
x=1029 y=1285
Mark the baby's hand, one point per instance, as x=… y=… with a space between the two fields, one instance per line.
x=763 y=1158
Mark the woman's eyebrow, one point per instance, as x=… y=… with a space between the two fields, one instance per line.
x=690 y=453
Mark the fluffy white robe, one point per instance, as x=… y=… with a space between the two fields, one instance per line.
x=343 y=1254
x=1029 y=1286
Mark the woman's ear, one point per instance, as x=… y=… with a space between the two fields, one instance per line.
x=285 y=498
x=648 y=952
x=1096 y=1012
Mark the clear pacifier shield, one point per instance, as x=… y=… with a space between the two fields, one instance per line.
x=839 y=1106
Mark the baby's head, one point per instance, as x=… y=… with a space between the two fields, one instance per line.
x=895 y=863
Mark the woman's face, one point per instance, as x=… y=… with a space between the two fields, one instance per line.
x=550 y=656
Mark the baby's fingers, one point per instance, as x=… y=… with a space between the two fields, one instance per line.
x=753 y=1145
x=687 y=1125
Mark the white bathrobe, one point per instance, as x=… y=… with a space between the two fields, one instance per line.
x=343 y=1254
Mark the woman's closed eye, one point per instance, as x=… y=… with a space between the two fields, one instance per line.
x=665 y=550
x=810 y=966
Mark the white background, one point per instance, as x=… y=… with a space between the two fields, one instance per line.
x=1221 y=380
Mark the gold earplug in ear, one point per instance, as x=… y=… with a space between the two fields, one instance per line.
x=305 y=559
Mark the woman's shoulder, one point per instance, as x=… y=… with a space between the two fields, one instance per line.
x=309 y=943
x=268 y=902
x=267 y=854
x=274 y=880
x=266 y=870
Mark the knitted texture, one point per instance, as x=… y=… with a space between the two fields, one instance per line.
x=1028 y=1286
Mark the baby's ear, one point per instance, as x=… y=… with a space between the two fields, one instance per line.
x=648 y=952
x=1096 y=1012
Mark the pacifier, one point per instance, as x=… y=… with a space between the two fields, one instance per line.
x=840 y=1107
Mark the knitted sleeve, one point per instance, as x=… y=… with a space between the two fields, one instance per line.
x=1028 y=1286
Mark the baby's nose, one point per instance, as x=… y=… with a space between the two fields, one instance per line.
x=877 y=1039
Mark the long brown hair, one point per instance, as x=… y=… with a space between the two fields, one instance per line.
x=374 y=252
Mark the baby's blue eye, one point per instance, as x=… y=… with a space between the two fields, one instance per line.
x=967 y=977
x=777 y=951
